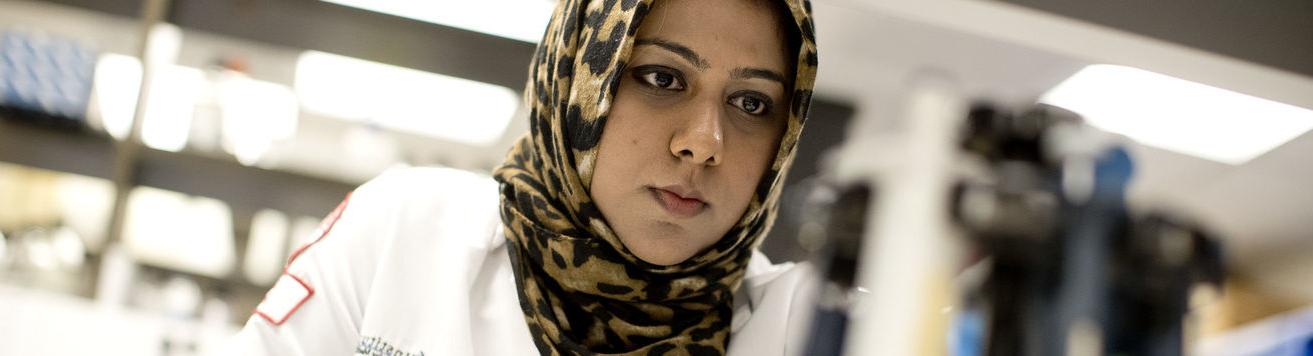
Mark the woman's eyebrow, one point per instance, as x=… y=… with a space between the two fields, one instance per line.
x=679 y=49
x=750 y=73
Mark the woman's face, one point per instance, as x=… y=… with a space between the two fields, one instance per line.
x=695 y=123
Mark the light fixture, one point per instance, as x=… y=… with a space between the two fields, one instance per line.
x=404 y=99
x=116 y=84
x=187 y=233
x=168 y=113
x=255 y=115
x=522 y=20
x=1179 y=115
x=171 y=106
x=169 y=110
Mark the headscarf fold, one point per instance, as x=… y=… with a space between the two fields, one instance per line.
x=582 y=292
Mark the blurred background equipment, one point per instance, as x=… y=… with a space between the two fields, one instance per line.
x=159 y=159
x=1050 y=261
x=1197 y=154
x=1069 y=269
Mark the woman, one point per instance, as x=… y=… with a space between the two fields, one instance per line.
x=629 y=216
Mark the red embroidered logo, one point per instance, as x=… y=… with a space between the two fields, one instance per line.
x=291 y=291
x=287 y=295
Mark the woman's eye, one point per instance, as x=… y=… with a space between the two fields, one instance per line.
x=662 y=80
x=750 y=105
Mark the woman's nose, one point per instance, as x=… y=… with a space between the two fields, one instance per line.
x=701 y=139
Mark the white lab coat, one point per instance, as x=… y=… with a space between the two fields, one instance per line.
x=416 y=263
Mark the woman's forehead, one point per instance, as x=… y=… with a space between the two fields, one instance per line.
x=722 y=33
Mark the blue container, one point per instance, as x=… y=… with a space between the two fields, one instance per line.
x=45 y=77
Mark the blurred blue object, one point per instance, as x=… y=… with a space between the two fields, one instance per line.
x=968 y=333
x=1287 y=334
x=45 y=77
x=1298 y=347
x=1113 y=171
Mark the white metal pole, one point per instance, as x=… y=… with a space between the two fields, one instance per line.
x=908 y=255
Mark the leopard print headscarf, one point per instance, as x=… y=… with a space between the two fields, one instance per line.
x=582 y=292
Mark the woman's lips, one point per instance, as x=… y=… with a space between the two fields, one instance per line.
x=678 y=206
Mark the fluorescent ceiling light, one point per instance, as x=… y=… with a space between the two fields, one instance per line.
x=1179 y=115
x=404 y=99
x=522 y=20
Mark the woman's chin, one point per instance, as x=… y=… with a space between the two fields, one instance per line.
x=662 y=258
x=661 y=251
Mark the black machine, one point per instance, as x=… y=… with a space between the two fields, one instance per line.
x=1066 y=268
